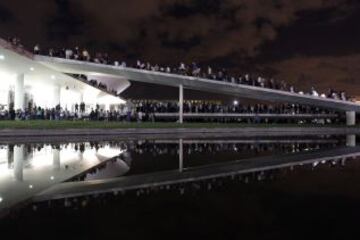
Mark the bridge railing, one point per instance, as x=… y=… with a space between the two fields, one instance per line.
x=94 y=86
x=246 y=115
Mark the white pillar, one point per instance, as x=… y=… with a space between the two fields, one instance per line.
x=181 y=103
x=351 y=140
x=19 y=155
x=350 y=118
x=56 y=159
x=181 y=156
x=19 y=92
x=57 y=94
x=81 y=97
x=81 y=156
x=10 y=156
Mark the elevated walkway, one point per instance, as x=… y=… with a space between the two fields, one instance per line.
x=195 y=83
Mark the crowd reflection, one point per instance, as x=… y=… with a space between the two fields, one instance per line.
x=121 y=164
x=96 y=202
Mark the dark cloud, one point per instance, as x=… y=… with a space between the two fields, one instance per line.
x=6 y=15
x=162 y=29
x=252 y=34
x=323 y=72
x=198 y=29
x=325 y=32
x=67 y=23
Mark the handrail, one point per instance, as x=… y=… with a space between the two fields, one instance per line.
x=97 y=87
x=246 y=115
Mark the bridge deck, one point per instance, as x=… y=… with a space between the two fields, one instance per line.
x=195 y=83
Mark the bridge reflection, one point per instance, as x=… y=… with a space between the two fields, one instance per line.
x=192 y=174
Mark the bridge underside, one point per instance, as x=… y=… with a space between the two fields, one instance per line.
x=24 y=83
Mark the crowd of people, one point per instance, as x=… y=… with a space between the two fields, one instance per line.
x=38 y=113
x=153 y=111
x=146 y=110
x=156 y=151
x=196 y=106
x=193 y=69
x=100 y=85
x=150 y=148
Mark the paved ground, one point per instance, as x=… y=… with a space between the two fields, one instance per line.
x=45 y=135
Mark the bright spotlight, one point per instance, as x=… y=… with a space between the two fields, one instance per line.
x=53 y=77
x=1 y=199
x=52 y=178
x=32 y=69
x=31 y=186
x=2 y=57
x=236 y=103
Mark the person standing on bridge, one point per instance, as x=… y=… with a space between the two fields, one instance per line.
x=69 y=53
x=314 y=92
x=86 y=55
x=37 y=49
x=182 y=68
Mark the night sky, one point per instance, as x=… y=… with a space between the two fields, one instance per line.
x=305 y=42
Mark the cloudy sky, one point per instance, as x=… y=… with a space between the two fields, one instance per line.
x=306 y=42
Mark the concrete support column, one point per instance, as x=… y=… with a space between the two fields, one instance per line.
x=19 y=100
x=181 y=155
x=81 y=97
x=56 y=159
x=57 y=93
x=10 y=156
x=351 y=140
x=350 y=118
x=181 y=103
x=19 y=155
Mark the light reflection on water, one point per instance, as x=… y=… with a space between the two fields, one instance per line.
x=31 y=168
x=28 y=169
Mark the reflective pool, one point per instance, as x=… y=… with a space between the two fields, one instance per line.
x=82 y=180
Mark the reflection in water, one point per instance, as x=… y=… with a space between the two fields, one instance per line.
x=231 y=183
x=337 y=159
x=31 y=168
x=27 y=170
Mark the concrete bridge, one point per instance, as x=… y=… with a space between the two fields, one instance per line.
x=22 y=62
x=196 y=83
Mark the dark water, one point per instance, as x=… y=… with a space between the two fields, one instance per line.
x=274 y=197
